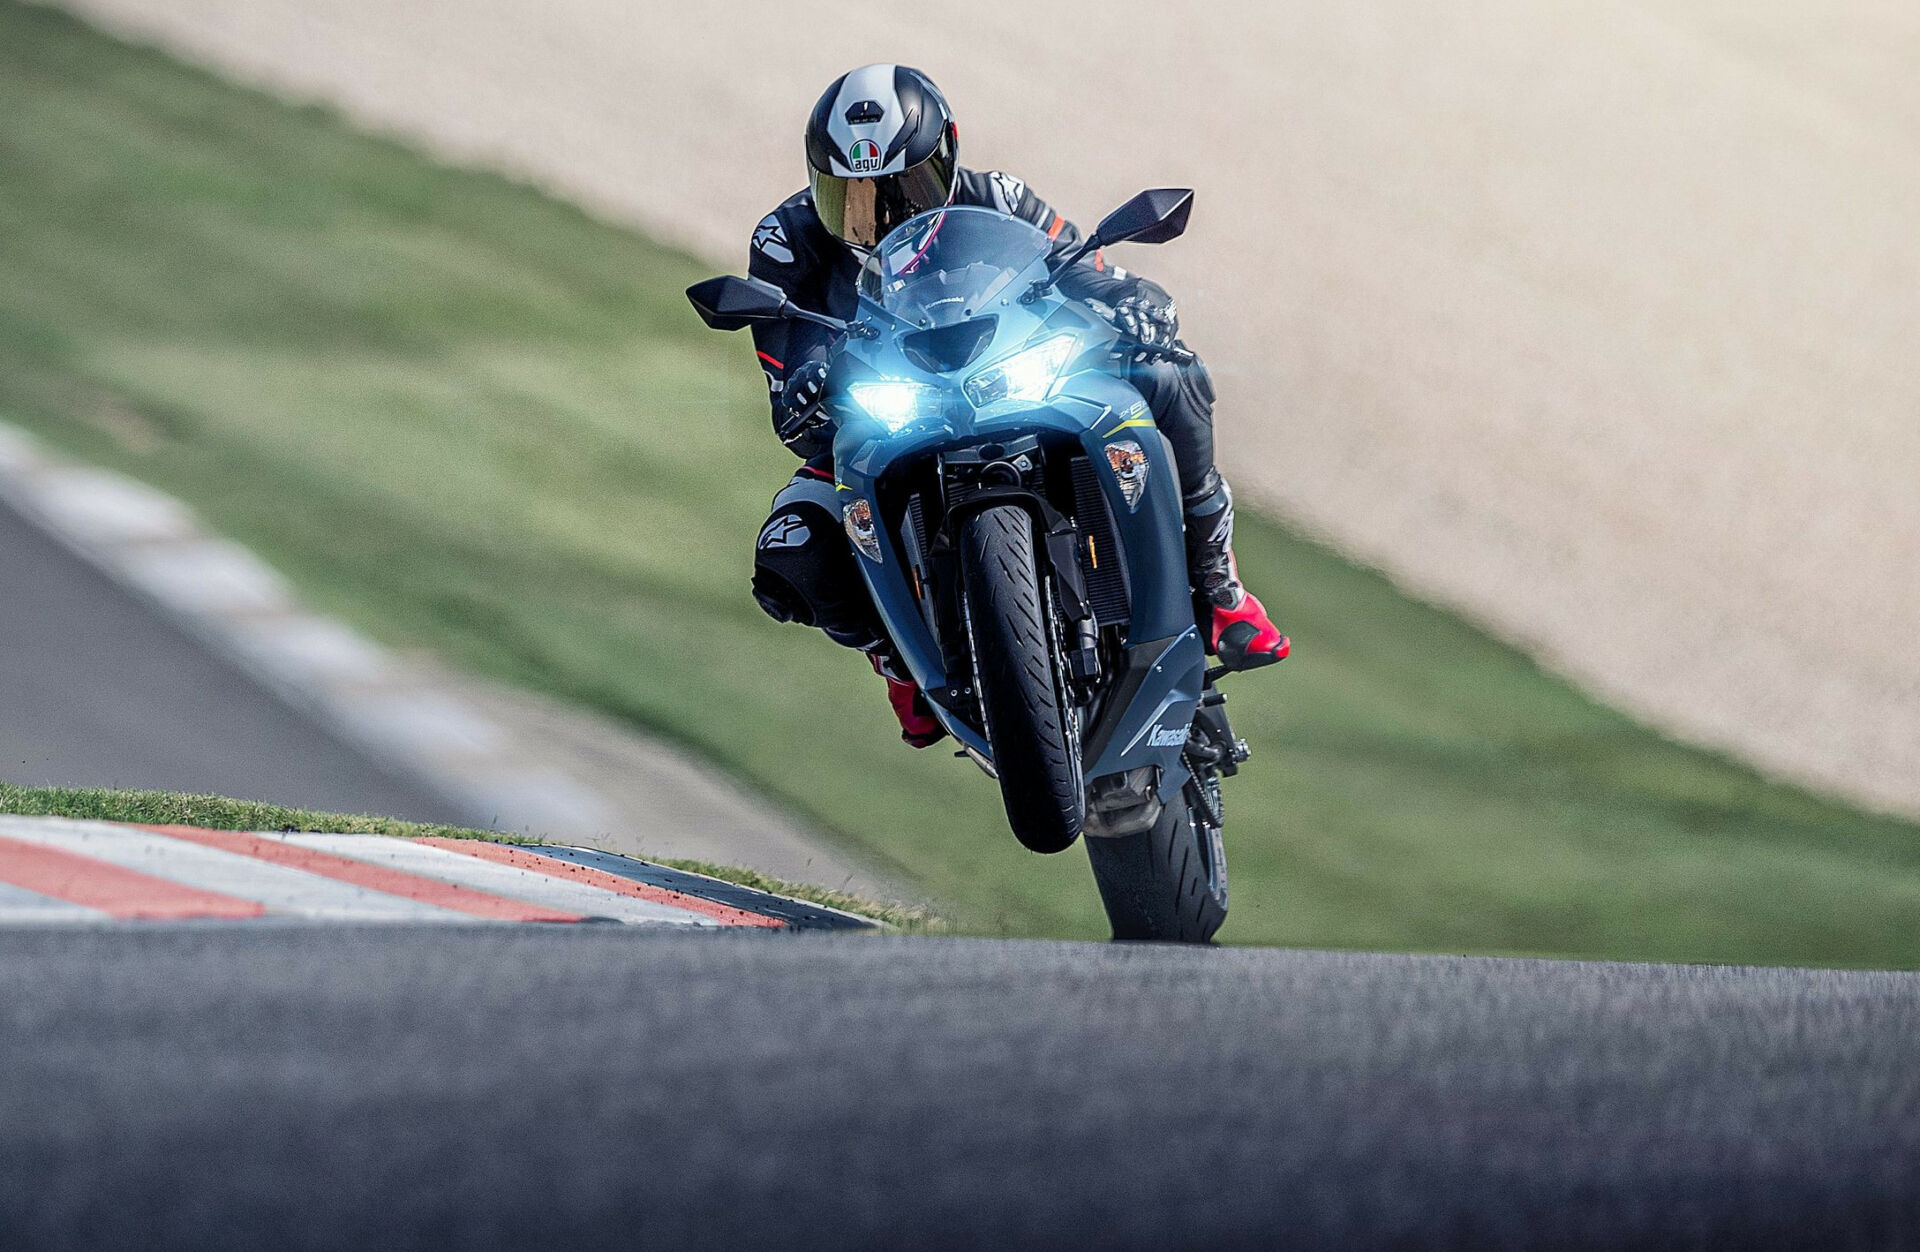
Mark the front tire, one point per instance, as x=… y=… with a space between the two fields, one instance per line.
x=1169 y=882
x=1034 y=751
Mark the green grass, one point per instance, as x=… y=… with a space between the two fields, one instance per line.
x=472 y=419
x=171 y=808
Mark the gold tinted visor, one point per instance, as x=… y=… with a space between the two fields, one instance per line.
x=861 y=211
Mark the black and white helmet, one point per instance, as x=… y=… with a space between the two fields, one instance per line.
x=881 y=147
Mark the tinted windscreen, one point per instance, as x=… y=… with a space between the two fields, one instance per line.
x=948 y=265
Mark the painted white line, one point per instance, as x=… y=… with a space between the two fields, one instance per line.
x=502 y=880
x=207 y=576
x=282 y=889
x=99 y=506
x=19 y=457
x=305 y=650
x=424 y=723
x=17 y=904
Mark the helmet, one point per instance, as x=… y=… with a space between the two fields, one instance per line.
x=881 y=147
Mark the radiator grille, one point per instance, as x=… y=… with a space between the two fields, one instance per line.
x=917 y=526
x=1101 y=558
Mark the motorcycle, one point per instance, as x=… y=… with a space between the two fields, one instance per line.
x=1016 y=516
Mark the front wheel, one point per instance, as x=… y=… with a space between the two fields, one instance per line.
x=1034 y=748
x=1169 y=882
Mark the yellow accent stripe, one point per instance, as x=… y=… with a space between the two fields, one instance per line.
x=1137 y=421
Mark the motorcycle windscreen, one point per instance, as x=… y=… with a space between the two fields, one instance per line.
x=952 y=264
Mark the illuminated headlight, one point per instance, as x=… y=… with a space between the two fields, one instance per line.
x=859 y=518
x=1028 y=375
x=893 y=403
x=1129 y=464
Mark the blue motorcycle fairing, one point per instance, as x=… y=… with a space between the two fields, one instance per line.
x=1091 y=402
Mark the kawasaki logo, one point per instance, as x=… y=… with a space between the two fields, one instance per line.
x=1161 y=737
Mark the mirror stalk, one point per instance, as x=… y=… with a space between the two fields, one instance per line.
x=818 y=319
x=1150 y=217
x=1041 y=286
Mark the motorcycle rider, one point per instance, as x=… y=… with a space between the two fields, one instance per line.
x=881 y=147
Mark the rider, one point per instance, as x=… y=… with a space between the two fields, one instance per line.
x=881 y=147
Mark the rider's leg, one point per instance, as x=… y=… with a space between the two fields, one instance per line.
x=803 y=572
x=1181 y=398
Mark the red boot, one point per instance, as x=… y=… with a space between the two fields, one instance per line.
x=1243 y=636
x=918 y=726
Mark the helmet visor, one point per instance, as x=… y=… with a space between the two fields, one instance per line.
x=861 y=211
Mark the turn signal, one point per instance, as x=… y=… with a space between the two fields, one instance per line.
x=1129 y=464
x=859 y=519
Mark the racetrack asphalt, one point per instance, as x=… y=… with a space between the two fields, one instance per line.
x=288 y=1086
x=98 y=690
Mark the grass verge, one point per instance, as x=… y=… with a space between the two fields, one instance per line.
x=470 y=418
x=171 y=808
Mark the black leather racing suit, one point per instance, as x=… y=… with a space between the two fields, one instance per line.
x=803 y=567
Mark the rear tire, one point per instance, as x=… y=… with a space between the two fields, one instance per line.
x=1167 y=883
x=1034 y=751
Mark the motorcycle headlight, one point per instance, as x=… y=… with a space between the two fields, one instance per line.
x=1029 y=374
x=859 y=519
x=894 y=403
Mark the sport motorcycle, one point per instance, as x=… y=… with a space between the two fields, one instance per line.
x=1016 y=516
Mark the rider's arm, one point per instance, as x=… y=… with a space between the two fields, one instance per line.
x=783 y=346
x=1091 y=278
x=1136 y=305
x=1094 y=280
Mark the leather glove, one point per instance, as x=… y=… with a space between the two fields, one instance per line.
x=1154 y=323
x=800 y=403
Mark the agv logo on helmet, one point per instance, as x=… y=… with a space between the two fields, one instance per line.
x=864 y=156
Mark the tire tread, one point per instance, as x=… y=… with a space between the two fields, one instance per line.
x=1040 y=780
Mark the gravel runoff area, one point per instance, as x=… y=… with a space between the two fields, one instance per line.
x=450 y=1087
x=1594 y=321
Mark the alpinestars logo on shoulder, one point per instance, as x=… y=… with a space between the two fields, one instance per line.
x=1007 y=191
x=769 y=237
x=864 y=156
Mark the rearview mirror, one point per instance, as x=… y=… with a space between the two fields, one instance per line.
x=728 y=303
x=1150 y=217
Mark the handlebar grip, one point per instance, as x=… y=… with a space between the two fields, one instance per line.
x=1164 y=352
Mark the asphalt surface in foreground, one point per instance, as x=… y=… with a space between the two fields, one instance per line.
x=289 y=1086
x=98 y=690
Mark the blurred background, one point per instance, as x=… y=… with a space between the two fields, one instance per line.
x=1568 y=351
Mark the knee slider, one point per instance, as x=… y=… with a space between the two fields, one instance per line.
x=804 y=572
x=777 y=596
x=789 y=563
